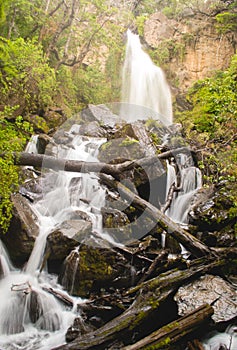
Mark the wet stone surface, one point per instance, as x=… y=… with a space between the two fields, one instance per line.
x=212 y=290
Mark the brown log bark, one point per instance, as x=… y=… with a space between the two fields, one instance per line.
x=156 y=262
x=174 y=331
x=60 y=296
x=151 y=295
x=42 y=160
x=191 y=243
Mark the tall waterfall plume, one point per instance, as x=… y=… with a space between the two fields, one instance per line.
x=145 y=92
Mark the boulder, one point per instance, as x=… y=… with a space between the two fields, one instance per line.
x=54 y=117
x=93 y=129
x=66 y=237
x=212 y=290
x=23 y=230
x=100 y=113
x=93 y=267
x=121 y=149
x=213 y=212
x=117 y=224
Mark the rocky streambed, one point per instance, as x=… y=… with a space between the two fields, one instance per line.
x=145 y=279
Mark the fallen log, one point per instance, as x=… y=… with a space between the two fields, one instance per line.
x=64 y=298
x=174 y=331
x=152 y=294
x=191 y=243
x=49 y=162
x=156 y=262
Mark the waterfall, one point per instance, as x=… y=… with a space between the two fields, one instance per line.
x=145 y=92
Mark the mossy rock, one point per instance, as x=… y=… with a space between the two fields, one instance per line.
x=117 y=224
x=118 y=150
x=54 y=117
x=39 y=123
x=218 y=211
x=92 y=267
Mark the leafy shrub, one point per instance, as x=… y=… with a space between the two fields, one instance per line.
x=13 y=137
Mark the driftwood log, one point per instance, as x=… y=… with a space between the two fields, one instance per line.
x=174 y=331
x=152 y=294
x=191 y=243
x=42 y=160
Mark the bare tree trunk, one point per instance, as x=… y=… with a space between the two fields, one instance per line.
x=191 y=243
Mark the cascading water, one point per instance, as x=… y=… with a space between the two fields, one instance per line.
x=31 y=318
x=190 y=182
x=145 y=92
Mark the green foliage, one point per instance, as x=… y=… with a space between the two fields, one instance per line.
x=33 y=84
x=13 y=137
x=213 y=124
x=140 y=22
x=7 y=69
x=20 y=17
x=226 y=21
x=168 y=49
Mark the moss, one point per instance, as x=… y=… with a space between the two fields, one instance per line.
x=160 y=345
x=106 y=145
x=128 y=141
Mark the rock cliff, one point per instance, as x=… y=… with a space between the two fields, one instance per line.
x=196 y=48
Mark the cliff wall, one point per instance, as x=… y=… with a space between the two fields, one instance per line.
x=198 y=49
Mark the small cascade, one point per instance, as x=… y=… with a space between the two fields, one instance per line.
x=190 y=182
x=225 y=340
x=31 y=147
x=145 y=92
x=5 y=264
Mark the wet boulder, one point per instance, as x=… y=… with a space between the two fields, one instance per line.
x=42 y=310
x=212 y=290
x=214 y=211
x=23 y=230
x=100 y=113
x=78 y=328
x=67 y=236
x=92 y=267
x=93 y=129
x=117 y=224
x=118 y=150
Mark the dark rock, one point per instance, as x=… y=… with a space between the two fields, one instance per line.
x=93 y=266
x=118 y=150
x=42 y=142
x=78 y=328
x=93 y=129
x=213 y=211
x=42 y=312
x=117 y=224
x=66 y=237
x=101 y=113
x=54 y=117
x=62 y=137
x=23 y=230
